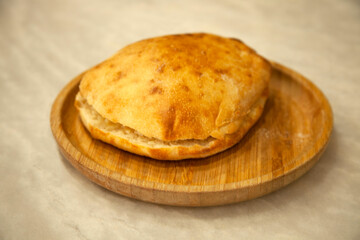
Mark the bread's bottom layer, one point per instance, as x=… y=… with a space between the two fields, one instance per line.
x=130 y=140
x=90 y=115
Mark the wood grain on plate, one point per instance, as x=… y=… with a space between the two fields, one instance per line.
x=284 y=144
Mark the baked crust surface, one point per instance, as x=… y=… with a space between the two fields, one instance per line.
x=193 y=94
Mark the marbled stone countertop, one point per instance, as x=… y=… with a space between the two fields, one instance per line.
x=44 y=44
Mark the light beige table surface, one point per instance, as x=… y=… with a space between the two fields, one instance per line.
x=44 y=44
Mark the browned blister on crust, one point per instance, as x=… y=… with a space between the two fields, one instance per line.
x=176 y=97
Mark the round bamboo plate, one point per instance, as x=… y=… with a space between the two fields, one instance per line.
x=284 y=144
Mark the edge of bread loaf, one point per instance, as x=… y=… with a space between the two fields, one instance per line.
x=132 y=141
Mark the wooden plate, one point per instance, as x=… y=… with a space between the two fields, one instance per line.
x=284 y=144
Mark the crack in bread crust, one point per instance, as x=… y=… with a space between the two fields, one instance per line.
x=96 y=120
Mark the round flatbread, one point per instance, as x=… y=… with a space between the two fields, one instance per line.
x=175 y=97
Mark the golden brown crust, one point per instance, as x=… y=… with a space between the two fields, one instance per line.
x=178 y=87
